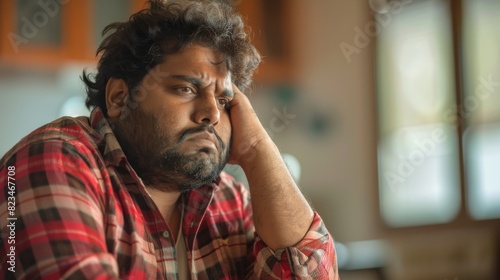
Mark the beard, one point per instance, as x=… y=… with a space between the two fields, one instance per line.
x=156 y=158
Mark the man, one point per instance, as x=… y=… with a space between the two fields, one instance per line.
x=136 y=190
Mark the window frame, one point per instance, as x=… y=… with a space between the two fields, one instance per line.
x=463 y=218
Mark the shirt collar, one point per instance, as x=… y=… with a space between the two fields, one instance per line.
x=109 y=146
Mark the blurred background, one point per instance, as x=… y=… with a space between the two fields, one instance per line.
x=389 y=110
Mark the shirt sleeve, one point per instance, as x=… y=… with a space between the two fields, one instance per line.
x=313 y=257
x=55 y=230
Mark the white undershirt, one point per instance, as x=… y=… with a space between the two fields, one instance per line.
x=181 y=253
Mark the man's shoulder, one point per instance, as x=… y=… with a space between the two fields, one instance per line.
x=66 y=129
x=73 y=131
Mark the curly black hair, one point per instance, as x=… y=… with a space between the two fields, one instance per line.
x=134 y=47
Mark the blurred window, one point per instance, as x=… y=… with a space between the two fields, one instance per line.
x=420 y=116
x=41 y=26
x=481 y=107
x=418 y=147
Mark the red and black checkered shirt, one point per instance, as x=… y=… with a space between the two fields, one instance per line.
x=81 y=212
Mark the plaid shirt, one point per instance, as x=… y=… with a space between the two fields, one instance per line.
x=78 y=210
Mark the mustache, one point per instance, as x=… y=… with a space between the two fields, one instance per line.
x=203 y=128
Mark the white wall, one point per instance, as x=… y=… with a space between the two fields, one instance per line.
x=31 y=98
x=339 y=174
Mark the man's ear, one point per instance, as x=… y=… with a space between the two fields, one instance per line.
x=116 y=97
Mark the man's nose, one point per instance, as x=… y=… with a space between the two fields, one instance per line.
x=207 y=110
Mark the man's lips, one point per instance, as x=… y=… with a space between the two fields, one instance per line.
x=204 y=139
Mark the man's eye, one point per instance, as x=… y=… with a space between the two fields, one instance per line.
x=185 y=90
x=223 y=103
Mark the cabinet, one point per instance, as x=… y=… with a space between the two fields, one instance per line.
x=270 y=22
x=54 y=32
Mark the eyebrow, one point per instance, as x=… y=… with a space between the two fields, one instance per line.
x=190 y=79
x=197 y=82
x=228 y=93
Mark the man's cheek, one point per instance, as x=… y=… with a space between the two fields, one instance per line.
x=226 y=129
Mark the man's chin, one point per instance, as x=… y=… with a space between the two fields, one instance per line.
x=190 y=170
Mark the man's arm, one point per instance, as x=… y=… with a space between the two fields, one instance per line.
x=282 y=216
x=292 y=239
x=59 y=231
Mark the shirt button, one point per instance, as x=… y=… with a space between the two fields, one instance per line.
x=166 y=234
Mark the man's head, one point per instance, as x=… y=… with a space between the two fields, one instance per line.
x=131 y=49
x=164 y=80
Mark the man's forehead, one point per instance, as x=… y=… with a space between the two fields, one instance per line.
x=196 y=64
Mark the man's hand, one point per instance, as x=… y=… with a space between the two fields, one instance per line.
x=282 y=216
x=247 y=131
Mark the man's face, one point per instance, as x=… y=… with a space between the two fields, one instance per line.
x=178 y=136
